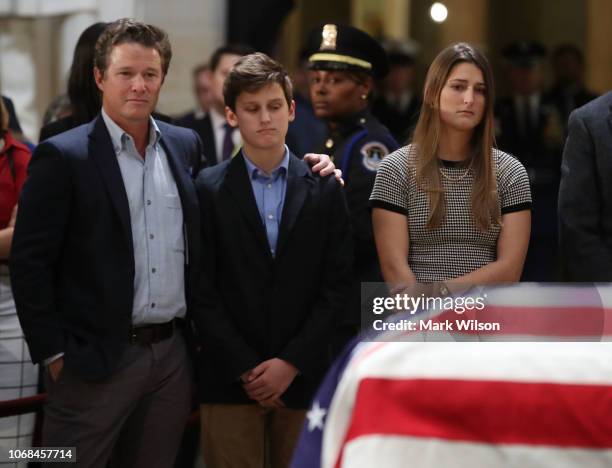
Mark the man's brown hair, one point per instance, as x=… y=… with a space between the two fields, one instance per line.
x=127 y=30
x=251 y=73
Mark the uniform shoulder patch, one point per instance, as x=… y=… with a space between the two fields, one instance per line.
x=372 y=154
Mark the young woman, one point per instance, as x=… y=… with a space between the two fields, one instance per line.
x=449 y=207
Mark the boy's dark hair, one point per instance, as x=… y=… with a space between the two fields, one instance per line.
x=127 y=30
x=228 y=49
x=253 y=72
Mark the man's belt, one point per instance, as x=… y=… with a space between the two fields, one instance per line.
x=154 y=333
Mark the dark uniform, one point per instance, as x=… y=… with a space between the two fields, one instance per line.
x=529 y=129
x=357 y=145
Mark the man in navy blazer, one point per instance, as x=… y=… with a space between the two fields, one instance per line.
x=103 y=260
x=585 y=195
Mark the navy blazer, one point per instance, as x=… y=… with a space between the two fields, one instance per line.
x=585 y=195
x=256 y=307
x=72 y=260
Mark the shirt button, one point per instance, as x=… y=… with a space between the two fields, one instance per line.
x=269 y=185
x=153 y=270
x=151 y=236
x=148 y=202
x=270 y=216
x=153 y=305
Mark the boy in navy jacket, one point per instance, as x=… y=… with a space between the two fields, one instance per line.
x=277 y=260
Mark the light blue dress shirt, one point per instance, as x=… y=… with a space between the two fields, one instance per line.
x=156 y=217
x=269 y=191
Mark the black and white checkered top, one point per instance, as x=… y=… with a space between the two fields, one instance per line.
x=457 y=246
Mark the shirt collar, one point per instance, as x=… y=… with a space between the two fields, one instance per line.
x=255 y=172
x=120 y=136
x=218 y=120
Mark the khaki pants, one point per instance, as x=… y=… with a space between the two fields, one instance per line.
x=249 y=436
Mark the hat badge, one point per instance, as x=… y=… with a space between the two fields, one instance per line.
x=329 y=35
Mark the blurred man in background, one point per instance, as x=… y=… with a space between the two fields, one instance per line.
x=202 y=90
x=568 y=91
x=529 y=130
x=399 y=103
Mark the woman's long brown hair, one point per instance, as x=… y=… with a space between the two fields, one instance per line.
x=484 y=200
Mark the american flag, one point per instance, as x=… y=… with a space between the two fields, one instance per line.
x=470 y=404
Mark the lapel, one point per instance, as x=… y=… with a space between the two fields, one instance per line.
x=102 y=152
x=238 y=183
x=299 y=182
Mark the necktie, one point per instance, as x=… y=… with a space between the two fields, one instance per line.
x=228 y=143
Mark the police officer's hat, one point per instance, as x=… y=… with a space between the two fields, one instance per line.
x=524 y=54
x=339 y=47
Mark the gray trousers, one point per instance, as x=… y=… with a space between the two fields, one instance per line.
x=135 y=418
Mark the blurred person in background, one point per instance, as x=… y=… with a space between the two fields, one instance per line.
x=58 y=108
x=343 y=63
x=530 y=130
x=202 y=89
x=568 y=91
x=13 y=121
x=219 y=139
x=83 y=97
x=19 y=377
x=398 y=102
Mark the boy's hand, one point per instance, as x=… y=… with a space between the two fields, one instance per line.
x=323 y=165
x=269 y=380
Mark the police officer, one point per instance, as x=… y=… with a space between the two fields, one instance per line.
x=343 y=63
x=528 y=128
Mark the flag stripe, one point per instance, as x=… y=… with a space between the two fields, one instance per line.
x=541 y=321
x=394 y=451
x=586 y=363
x=485 y=411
